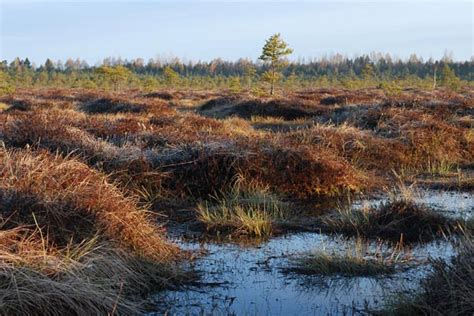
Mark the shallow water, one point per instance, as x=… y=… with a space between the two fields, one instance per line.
x=249 y=280
x=450 y=203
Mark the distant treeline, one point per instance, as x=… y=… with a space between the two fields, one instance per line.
x=384 y=66
x=337 y=70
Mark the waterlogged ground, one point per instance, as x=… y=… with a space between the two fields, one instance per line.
x=246 y=280
x=250 y=279
x=450 y=203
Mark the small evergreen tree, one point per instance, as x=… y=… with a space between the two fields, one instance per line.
x=49 y=66
x=449 y=78
x=171 y=76
x=42 y=78
x=149 y=83
x=291 y=80
x=368 y=72
x=249 y=75
x=234 y=85
x=272 y=53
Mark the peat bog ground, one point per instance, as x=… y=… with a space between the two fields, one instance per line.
x=324 y=201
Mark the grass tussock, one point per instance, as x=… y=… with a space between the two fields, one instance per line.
x=72 y=243
x=118 y=104
x=299 y=172
x=90 y=277
x=200 y=155
x=107 y=105
x=357 y=260
x=278 y=108
x=249 y=210
x=361 y=148
x=202 y=170
x=447 y=290
x=69 y=198
x=394 y=220
x=355 y=149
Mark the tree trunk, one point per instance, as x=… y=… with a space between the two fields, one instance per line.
x=272 y=87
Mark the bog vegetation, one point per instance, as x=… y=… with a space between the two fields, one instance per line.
x=97 y=164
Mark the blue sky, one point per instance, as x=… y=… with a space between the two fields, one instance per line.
x=203 y=30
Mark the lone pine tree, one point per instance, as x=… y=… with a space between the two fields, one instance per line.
x=272 y=53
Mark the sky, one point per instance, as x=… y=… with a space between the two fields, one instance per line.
x=204 y=30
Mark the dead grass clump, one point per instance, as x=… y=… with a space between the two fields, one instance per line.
x=215 y=103
x=136 y=152
x=108 y=105
x=361 y=148
x=164 y=95
x=274 y=124
x=333 y=96
x=200 y=170
x=72 y=243
x=67 y=132
x=25 y=102
x=430 y=139
x=435 y=146
x=332 y=100
x=58 y=190
x=381 y=138
x=55 y=131
x=20 y=105
x=395 y=220
x=300 y=172
x=448 y=290
x=90 y=277
x=60 y=283
x=288 y=109
x=117 y=127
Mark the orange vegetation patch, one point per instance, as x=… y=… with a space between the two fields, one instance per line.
x=67 y=199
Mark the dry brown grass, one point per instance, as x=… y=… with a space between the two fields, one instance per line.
x=189 y=155
x=86 y=278
x=289 y=109
x=300 y=172
x=152 y=144
x=199 y=155
x=429 y=138
x=72 y=243
x=120 y=104
x=361 y=148
x=69 y=198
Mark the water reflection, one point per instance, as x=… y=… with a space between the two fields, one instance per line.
x=250 y=281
